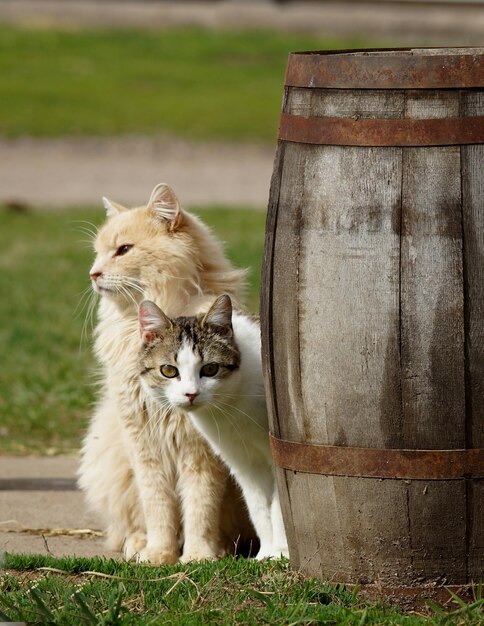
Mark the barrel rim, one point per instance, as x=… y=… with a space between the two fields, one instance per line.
x=387 y=68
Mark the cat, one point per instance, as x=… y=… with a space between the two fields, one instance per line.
x=165 y=254
x=210 y=366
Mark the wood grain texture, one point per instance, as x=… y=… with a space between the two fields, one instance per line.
x=376 y=332
x=266 y=298
x=432 y=287
x=475 y=529
x=472 y=103
x=432 y=340
x=285 y=298
x=473 y=232
x=349 y=234
x=437 y=530
x=267 y=336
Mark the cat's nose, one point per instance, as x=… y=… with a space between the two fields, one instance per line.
x=192 y=396
x=95 y=275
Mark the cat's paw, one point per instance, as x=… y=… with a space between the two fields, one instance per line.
x=114 y=540
x=270 y=552
x=133 y=545
x=203 y=551
x=281 y=551
x=199 y=555
x=158 y=556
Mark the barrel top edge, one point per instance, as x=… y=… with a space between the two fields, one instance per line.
x=387 y=68
x=393 y=52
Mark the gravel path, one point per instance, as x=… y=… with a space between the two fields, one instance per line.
x=73 y=172
x=41 y=511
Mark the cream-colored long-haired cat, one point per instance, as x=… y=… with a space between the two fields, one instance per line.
x=150 y=475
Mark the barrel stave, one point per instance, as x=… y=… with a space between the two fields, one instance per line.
x=432 y=305
x=472 y=103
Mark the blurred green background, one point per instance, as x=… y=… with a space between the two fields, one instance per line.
x=195 y=83
x=191 y=83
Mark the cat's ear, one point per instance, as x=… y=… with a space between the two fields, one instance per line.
x=164 y=203
x=112 y=208
x=220 y=315
x=152 y=321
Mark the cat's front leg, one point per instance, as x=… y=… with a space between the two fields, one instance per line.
x=279 y=539
x=202 y=486
x=106 y=475
x=161 y=511
x=258 y=495
x=133 y=545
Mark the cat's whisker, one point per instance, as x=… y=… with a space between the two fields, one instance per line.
x=134 y=286
x=84 y=302
x=234 y=424
x=211 y=406
x=86 y=243
x=85 y=324
x=160 y=415
x=84 y=225
x=132 y=280
x=137 y=287
x=231 y=406
x=92 y=301
x=147 y=426
x=90 y=237
x=84 y=297
x=85 y=231
x=128 y=295
x=93 y=226
x=157 y=414
x=85 y=290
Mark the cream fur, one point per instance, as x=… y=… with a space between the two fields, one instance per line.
x=130 y=470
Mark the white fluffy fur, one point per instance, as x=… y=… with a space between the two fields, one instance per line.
x=126 y=461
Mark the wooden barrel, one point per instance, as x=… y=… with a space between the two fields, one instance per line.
x=372 y=315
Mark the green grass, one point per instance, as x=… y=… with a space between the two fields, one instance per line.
x=41 y=589
x=46 y=380
x=189 y=82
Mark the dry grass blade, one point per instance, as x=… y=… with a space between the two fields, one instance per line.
x=55 y=532
x=181 y=577
x=54 y=570
x=178 y=575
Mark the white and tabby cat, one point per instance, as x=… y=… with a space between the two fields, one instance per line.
x=132 y=461
x=210 y=366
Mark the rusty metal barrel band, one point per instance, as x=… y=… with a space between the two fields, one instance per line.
x=380 y=69
x=377 y=462
x=340 y=131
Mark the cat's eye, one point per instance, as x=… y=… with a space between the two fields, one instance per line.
x=123 y=249
x=169 y=371
x=210 y=369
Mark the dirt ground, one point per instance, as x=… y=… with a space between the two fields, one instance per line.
x=76 y=172
x=396 y=23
